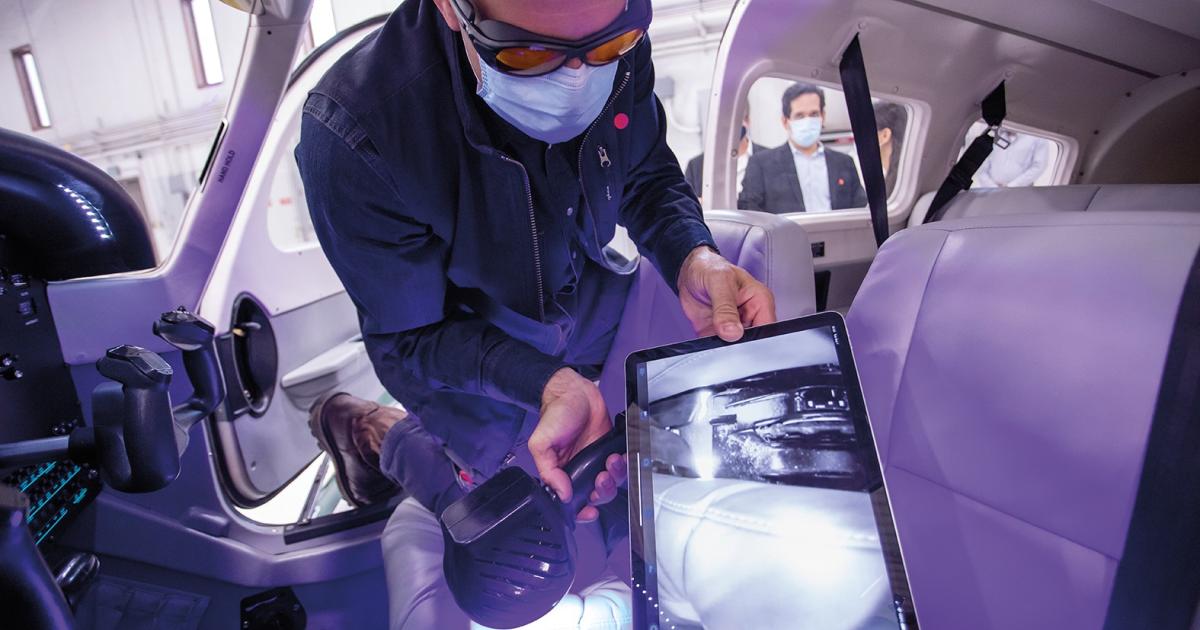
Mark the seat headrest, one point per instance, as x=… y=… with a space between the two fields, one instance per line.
x=775 y=250
x=986 y=202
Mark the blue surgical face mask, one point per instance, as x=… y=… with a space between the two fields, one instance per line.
x=554 y=107
x=805 y=131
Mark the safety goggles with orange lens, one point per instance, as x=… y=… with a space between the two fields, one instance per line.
x=513 y=50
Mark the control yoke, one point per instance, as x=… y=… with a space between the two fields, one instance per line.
x=131 y=438
x=194 y=337
x=136 y=437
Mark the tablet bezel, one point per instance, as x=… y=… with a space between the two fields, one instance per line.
x=641 y=492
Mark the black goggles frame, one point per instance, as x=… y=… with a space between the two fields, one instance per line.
x=491 y=37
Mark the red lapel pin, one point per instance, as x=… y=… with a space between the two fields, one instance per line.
x=621 y=120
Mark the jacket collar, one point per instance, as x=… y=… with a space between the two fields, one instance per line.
x=461 y=77
x=820 y=152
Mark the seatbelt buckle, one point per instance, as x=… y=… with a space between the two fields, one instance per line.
x=997 y=139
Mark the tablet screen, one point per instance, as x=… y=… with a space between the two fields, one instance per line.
x=756 y=499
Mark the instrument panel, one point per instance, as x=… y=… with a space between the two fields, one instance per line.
x=37 y=399
x=57 y=491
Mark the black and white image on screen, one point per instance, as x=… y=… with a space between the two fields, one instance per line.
x=762 y=490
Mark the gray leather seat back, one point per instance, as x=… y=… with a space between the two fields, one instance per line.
x=773 y=249
x=1011 y=366
x=985 y=202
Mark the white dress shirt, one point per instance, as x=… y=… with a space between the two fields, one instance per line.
x=813 y=174
x=743 y=161
x=1019 y=165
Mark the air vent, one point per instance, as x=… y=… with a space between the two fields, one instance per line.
x=251 y=358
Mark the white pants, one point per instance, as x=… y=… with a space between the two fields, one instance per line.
x=419 y=599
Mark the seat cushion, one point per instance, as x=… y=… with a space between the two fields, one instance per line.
x=745 y=554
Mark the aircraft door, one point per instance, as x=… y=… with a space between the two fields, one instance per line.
x=287 y=331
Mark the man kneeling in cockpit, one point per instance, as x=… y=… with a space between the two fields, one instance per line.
x=464 y=167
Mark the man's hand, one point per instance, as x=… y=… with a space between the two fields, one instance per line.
x=573 y=415
x=721 y=298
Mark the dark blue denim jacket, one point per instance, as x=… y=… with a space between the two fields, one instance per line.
x=423 y=220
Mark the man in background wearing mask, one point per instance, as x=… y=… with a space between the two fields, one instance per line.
x=465 y=167
x=694 y=173
x=801 y=175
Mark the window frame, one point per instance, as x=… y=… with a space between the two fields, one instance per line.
x=1063 y=170
x=901 y=201
x=33 y=91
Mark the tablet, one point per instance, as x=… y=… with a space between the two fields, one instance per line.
x=756 y=498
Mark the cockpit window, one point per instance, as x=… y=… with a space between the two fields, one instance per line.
x=329 y=17
x=322 y=23
x=148 y=121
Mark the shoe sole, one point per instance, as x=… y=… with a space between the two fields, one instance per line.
x=316 y=426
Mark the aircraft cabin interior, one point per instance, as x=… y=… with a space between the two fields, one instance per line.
x=250 y=258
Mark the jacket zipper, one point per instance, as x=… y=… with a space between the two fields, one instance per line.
x=537 y=246
x=583 y=143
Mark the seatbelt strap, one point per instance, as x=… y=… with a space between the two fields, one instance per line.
x=862 y=123
x=960 y=176
x=1157 y=583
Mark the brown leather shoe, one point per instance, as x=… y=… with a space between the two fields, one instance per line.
x=351 y=430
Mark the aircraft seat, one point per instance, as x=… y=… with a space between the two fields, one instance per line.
x=985 y=202
x=1012 y=367
x=773 y=249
